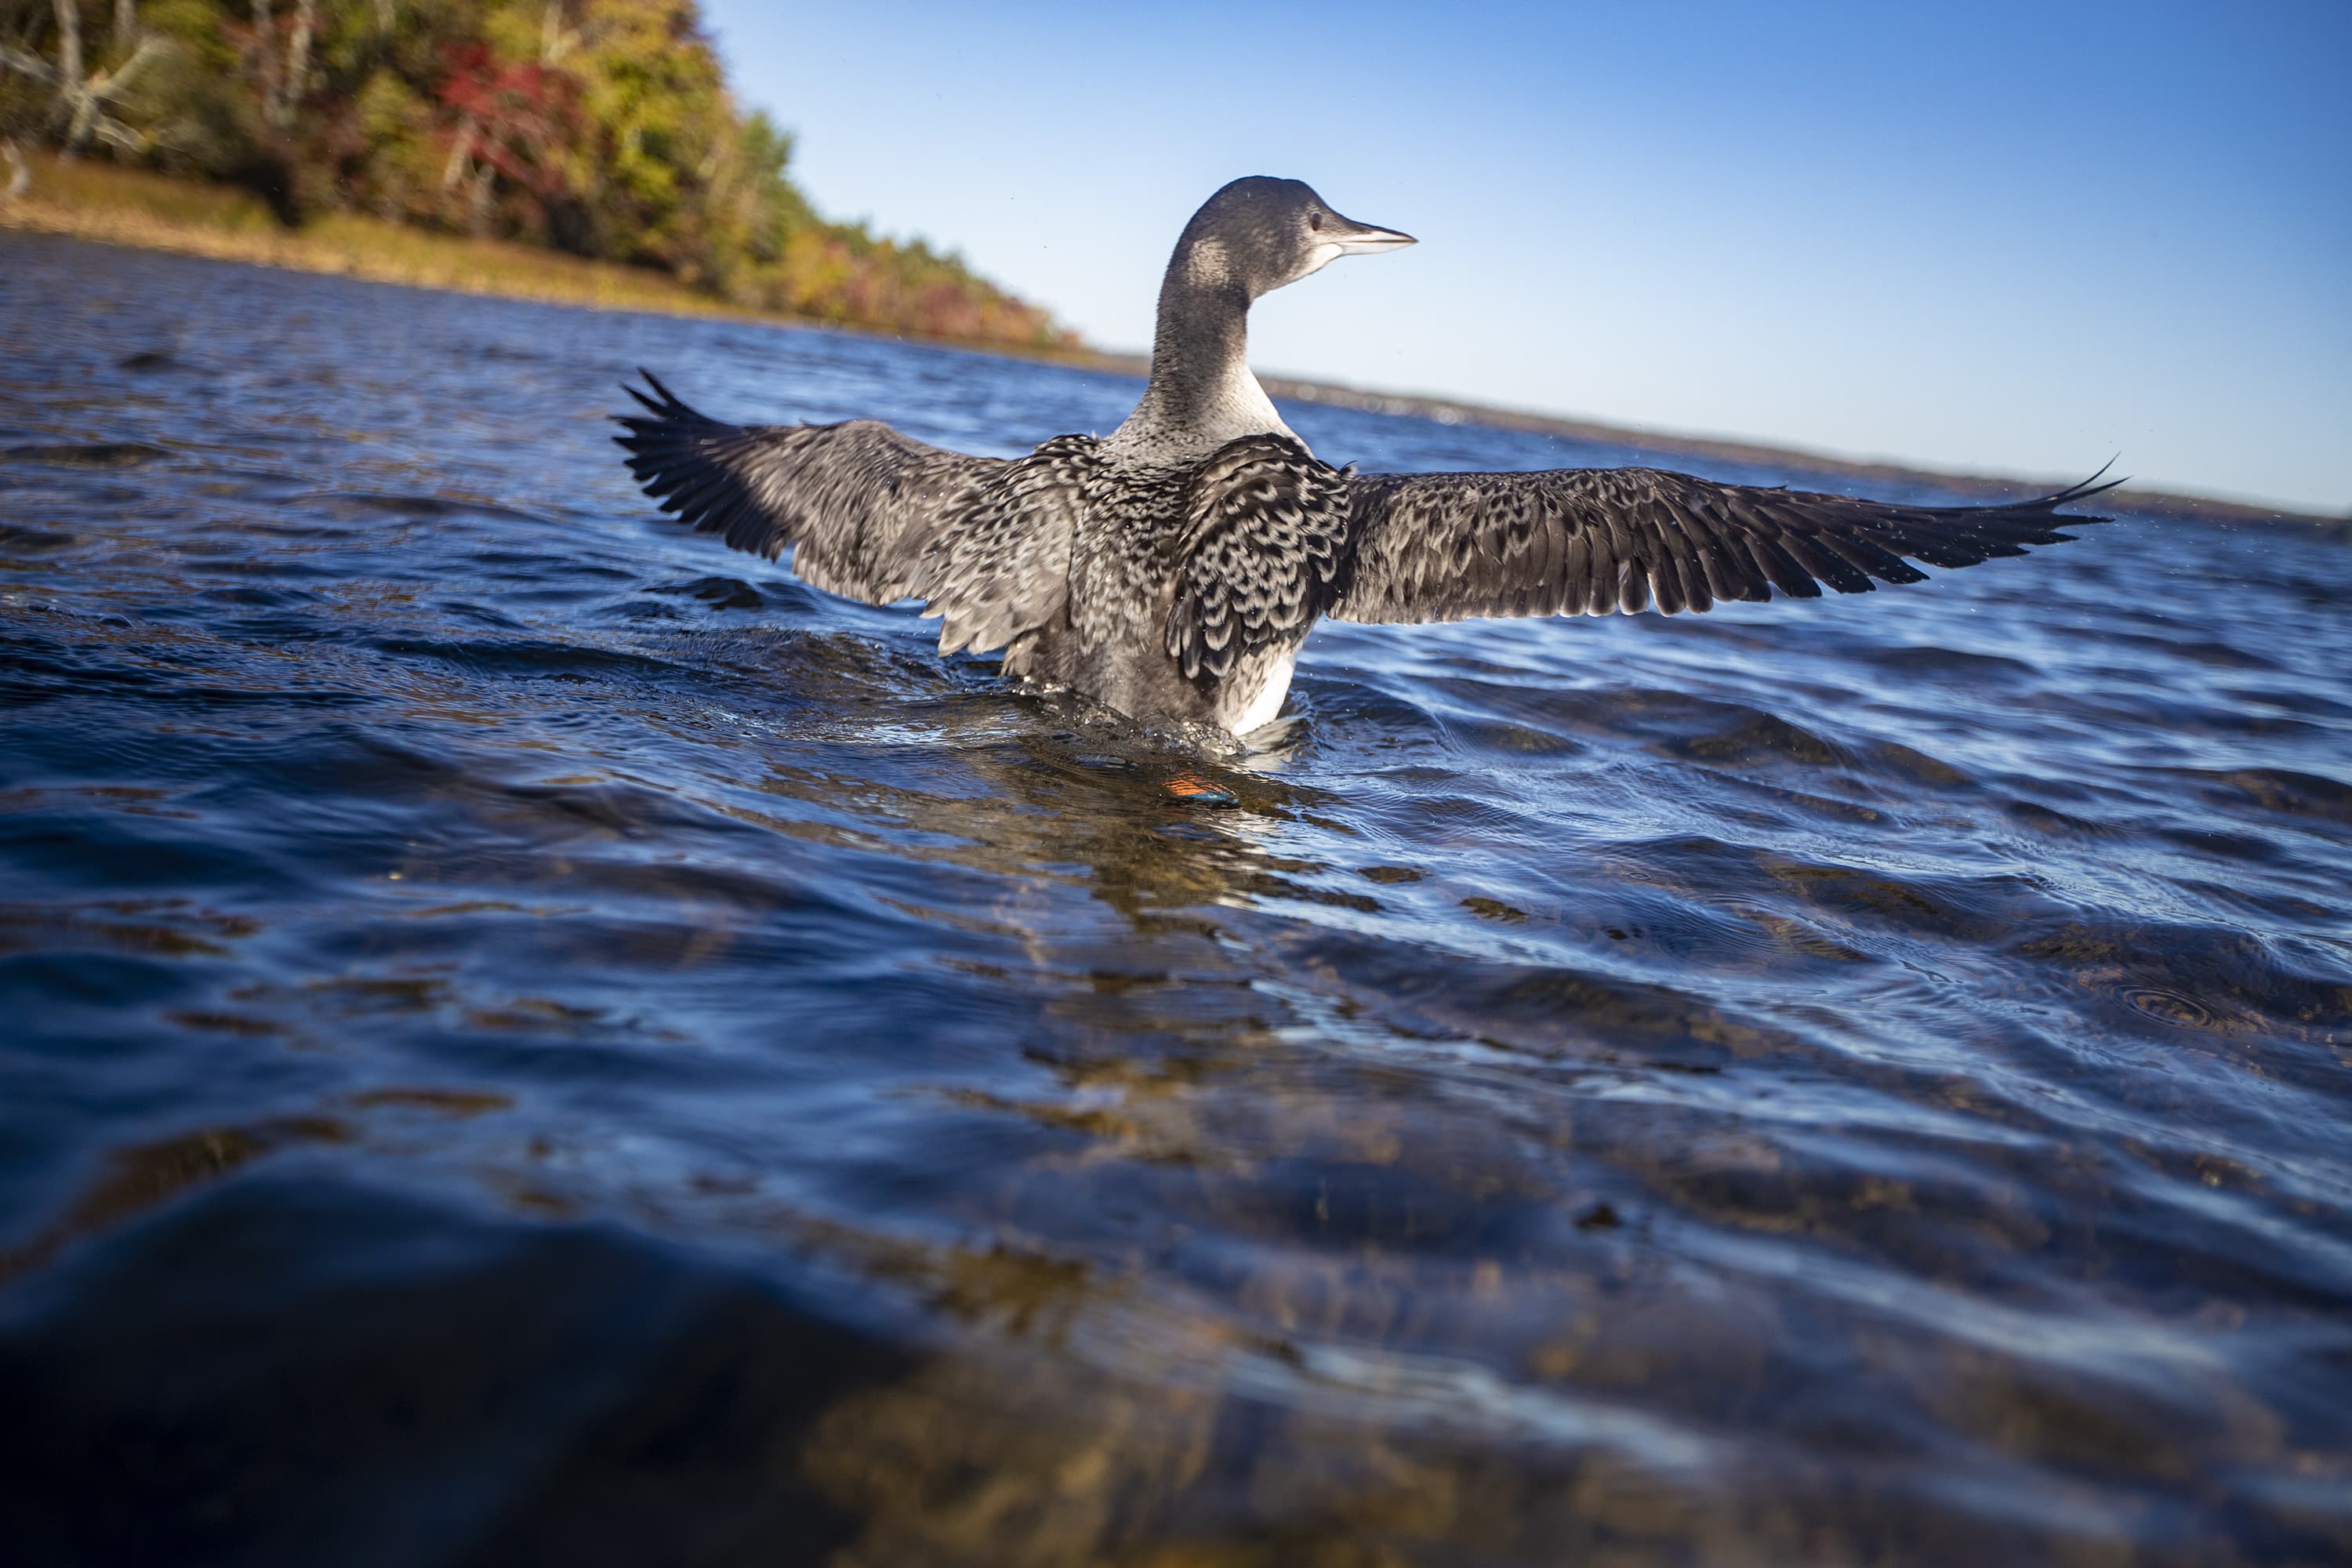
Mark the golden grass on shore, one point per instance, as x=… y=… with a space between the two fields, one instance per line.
x=124 y=206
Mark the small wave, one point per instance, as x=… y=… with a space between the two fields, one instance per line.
x=88 y=454
x=531 y=659
x=428 y=506
x=2284 y=791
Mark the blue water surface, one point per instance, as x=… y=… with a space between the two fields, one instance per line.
x=526 y=1036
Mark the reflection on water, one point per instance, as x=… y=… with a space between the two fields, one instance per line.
x=536 y=1038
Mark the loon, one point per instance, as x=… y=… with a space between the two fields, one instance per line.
x=1172 y=569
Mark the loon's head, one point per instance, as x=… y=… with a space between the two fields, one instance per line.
x=1258 y=234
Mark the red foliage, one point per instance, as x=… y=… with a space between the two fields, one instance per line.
x=523 y=117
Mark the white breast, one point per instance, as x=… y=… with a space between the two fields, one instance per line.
x=1253 y=696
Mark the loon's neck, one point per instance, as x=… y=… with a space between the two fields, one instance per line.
x=1202 y=394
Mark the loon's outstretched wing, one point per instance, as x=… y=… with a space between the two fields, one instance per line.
x=1590 y=541
x=871 y=514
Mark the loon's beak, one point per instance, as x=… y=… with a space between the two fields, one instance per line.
x=1341 y=237
x=1363 y=239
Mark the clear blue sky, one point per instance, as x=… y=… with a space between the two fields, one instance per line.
x=2000 y=237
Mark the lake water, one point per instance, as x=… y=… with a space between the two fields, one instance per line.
x=529 y=1037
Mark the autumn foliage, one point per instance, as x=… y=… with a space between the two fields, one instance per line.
x=603 y=128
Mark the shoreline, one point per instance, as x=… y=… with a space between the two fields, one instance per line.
x=142 y=211
x=228 y=226
x=299 y=252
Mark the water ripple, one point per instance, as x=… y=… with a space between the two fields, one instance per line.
x=534 y=1037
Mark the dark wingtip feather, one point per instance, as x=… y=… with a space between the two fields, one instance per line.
x=2087 y=491
x=2091 y=486
x=663 y=457
x=2070 y=495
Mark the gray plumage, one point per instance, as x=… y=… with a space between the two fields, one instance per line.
x=1172 y=569
x=1595 y=542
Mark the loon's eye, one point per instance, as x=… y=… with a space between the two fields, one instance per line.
x=1315 y=220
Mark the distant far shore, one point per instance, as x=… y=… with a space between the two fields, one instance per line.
x=113 y=206
x=1675 y=448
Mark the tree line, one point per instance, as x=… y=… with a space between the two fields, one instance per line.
x=602 y=128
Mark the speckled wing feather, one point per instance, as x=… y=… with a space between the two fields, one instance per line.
x=1264 y=525
x=997 y=563
x=1591 y=542
x=867 y=512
